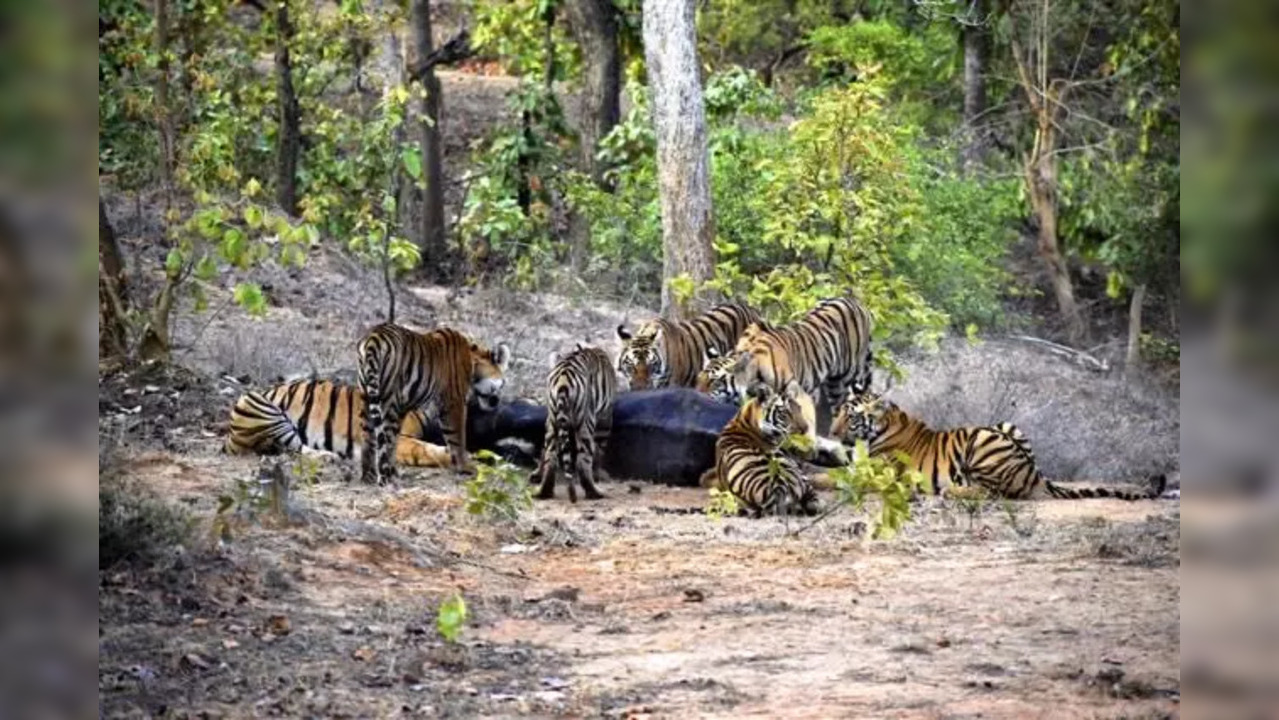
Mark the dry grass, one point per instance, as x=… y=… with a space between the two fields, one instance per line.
x=1081 y=425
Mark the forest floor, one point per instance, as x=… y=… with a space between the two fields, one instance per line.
x=616 y=608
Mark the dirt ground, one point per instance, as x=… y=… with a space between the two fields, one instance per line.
x=616 y=608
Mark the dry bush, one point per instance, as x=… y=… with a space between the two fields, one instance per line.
x=1081 y=425
x=134 y=525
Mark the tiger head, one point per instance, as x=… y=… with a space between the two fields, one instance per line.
x=777 y=415
x=487 y=367
x=862 y=416
x=643 y=357
x=718 y=377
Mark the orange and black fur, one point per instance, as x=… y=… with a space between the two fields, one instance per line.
x=580 y=393
x=995 y=459
x=664 y=354
x=750 y=463
x=320 y=415
x=827 y=352
x=402 y=370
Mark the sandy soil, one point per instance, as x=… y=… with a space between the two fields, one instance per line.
x=1052 y=609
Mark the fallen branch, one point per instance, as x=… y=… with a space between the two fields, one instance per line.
x=455 y=49
x=1078 y=357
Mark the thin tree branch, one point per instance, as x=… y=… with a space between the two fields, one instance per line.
x=455 y=49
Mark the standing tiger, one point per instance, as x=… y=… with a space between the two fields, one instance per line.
x=402 y=370
x=663 y=353
x=316 y=414
x=750 y=463
x=827 y=351
x=995 y=459
x=580 y=392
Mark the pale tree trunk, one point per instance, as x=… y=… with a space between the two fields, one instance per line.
x=1040 y=166
x=432 y=240
x=290 y=135
x=683 y=166
x=163 y=113
x=976 y=38
x=594 y=25
x=1132 y=359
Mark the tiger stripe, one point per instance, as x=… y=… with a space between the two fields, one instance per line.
x=402 y=370
x=750 y=463
x=997 y=459
x=580 y=392
x=662 y=353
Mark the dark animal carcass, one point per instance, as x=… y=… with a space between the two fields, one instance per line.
x=665 y=435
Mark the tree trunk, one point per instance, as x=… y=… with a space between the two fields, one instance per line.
x=113 y=339
x=595 y=30
x=1132 y=359
x=163 y=113
x=976 y=41
x=1041 y=185
x=683 y=166
x=290 y=139
x=433 y=244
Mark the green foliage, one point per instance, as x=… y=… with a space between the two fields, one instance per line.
x=722 y=504
x=515 y=31
x=499 y=490
x=882 y=479
x=911 y=62
x=451 y=618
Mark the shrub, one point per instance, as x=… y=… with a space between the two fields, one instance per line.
x=133 y=524
x=499 y=490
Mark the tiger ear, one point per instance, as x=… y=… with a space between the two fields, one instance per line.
x=623 y=333
x=501 y=355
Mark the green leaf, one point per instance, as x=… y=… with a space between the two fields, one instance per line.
x=249 y=296
x=412 y=162
x=206 y=269
x=451 y=617
x=173 y=262
x=253 y=216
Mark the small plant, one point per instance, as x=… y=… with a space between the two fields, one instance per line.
x=1013 y=514
x=450 y=618
x=250 y=501
x=882 y=478
x=723 y=503
x=499 y=490
x=972 y=503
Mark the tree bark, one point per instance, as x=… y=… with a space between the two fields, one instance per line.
x=290 y=137
x=163 y=113
x=113 y=297
x=976 y=39
x=683 y=166
x=594 y=24
x=1132 y=359
x=432 y=238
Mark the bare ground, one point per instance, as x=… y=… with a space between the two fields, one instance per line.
x=1048 y=609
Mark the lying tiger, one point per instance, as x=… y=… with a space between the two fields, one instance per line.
x=750 y=463
x=321 y=415
x=995 y=460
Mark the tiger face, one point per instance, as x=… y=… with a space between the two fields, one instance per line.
x=780 y=414
x=862 y=416
x=643 y=357
x=487 y=368
x=718 y=377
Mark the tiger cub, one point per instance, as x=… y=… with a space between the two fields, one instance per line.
x=993 y=459
x=401 y=370
x=750 y=463
x=661 y=353
x=580 y=392
x=322 y=415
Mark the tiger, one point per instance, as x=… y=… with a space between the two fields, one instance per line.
x=401 y=370
x=580 y=392
x=318 y=414
x=827 y=352
x=662 y=353
x=995 y=459
x=750 y=463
